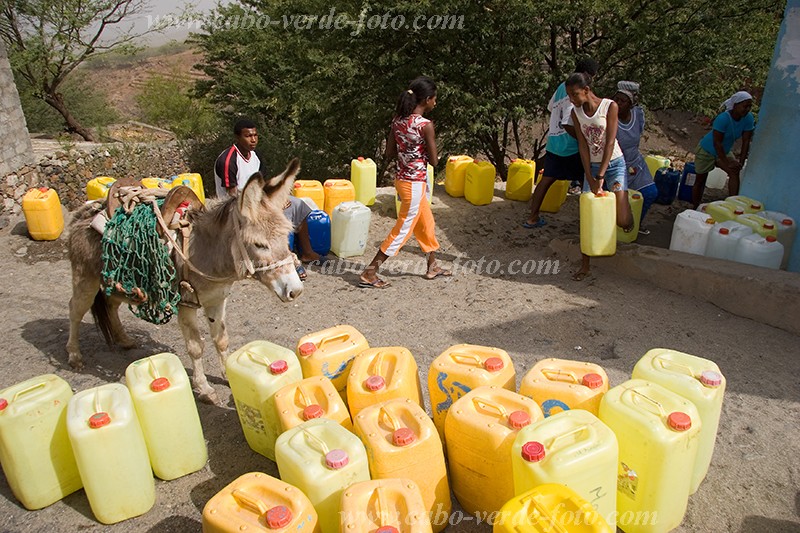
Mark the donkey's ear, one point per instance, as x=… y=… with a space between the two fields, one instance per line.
x=279 y=186
x=253 y=193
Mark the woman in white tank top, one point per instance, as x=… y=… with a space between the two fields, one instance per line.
x=603 y=163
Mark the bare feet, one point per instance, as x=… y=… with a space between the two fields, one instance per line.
x=308 y=257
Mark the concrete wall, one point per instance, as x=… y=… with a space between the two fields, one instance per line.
x=15 y=142
x=773 y=169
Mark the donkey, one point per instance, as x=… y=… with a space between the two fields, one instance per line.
x=245 y=236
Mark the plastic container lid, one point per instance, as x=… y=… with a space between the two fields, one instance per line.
x=278 y=367
x=710 y=220
x=403 y=437
x=278 y=517
x=336 y=459
x=307 y=348
x=757 y=207
x=313 y=411
x=738 y=212
x=297 y=185
x=711 y=378
x=387 y=529
x=493 y=364
x=787 y=222
x=99 y=420
x=374 y=383
x=159 y=384
x=44 y=189
x=3 y=403
x=360 y=158
x=771 y=238
x=533 y=451
x=679 y=421
x=769 y=226
x=636 y=196
x=592 y=380
x=724 y=231
x=519 y=419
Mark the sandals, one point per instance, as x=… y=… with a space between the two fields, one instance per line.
x=437 y=273
x=538 y=224
x=377 y=284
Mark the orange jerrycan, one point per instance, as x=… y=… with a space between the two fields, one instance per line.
x=571 y=448
x=43 y=215
x=35 y=451
x=255 y=372
x=162 y=396
x=658 y=432
x=311 y=398
x=461 y=368
x=598 y=214
x=336 y=192
x=321 y=458
x=559 y=385
x=480 y=430
x=401 y=441
x=381 y=374
x=550 y=508
x=192 y=180
x=519 y=185
x=556 y=195
x=310 y=189
x=384 y=506
x=330 y=353
x=97 y=188
x=111 y=453
x=455 y=174
x=259 y=502
x=699 y=381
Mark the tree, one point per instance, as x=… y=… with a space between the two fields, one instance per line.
x=48 y=39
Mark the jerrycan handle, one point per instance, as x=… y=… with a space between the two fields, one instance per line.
x=465 y=356
x=661 y=410
x=341 y=336
x=541 y=514
x=318 y=442
x=481 y=402
x=392 y=419
x=547 y=372
x=554 y=440
x=666 y=362
x=245 y=500
x=384 y=516
x=153 y=370
x=29 y=389
x=304 y=399
x=258 y=359
x=377 y=363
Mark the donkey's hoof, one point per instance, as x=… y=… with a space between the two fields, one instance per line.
x=76 y=361
x=126 y=343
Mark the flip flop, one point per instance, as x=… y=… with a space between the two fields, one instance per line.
x=377 y=284
x=538 y=224
x=643 y=231
x=437 y=273
x=301 y=271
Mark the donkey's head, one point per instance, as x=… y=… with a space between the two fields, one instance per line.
x=263 y=233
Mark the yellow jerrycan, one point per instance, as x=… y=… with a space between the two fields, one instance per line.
x=699 y=381
x=259 y=502
x=164 y=403
x=636 y=200
x=747 y=204
x=111 y=453
x=401 y=441
x=479 y=182
x=42 y=210
x=455 y=174
x=559 y=385
x=310 y=189
x=156 y=183
x=311 y=398
x=550 y=508
x=330 y=353
x=461 y=368
x=321 y=458
x=722 y=211
x=384 y=506
x=97 y=188
x=35 y=451
x=480 y=430
x=598 y=223
x=336 y=192
x=192 y=180
x=656 y=162
x=519 y=184
x=574 y=449
x=381 y=374
x=255 y=372
x=555 y=196
x=364 y=176
x=763 y=226
x=658 y=433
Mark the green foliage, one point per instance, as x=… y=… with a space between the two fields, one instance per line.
x=167 y=103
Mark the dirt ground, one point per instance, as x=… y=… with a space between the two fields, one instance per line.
x=753 y=484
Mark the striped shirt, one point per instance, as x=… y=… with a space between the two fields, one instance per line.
x=232 y=169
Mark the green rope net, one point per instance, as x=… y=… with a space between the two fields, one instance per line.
x=136 y=264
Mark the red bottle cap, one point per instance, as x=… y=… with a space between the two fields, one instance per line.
x=771 y=238
x=533 y=451
x=724 y=231
x=336 y=459
x=592 y=380
x=711 y=378
x=787 y=222
x=360 y=158
x=99 y=420
x=278 y=367
x=738 y=212
x=387 y=529
x=403 y=437
x=493 y=364
x=769 y=226
x=43 y=189
x=636 y=196
x=159 y=384
x=374 y=383
x=519 y=419
x=679 y=421
x=307 y=348
x=278 y=517
x=757 y=207
x=313 y=411
x=3 y=403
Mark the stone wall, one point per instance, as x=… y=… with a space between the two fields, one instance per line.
x=15 y=142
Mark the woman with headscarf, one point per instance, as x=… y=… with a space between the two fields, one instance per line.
x=629 y=134
x=714 y=149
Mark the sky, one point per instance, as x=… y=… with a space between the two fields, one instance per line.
x=165 y=7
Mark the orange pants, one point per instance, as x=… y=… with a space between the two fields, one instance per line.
x=415 y=217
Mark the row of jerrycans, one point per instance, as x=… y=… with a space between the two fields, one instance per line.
x=108 y=440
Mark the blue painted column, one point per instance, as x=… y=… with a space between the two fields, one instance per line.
x=773 y=168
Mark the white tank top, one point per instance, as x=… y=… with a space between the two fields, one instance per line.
x=594 y=131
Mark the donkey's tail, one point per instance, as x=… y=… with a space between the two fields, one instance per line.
x=101 y=316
